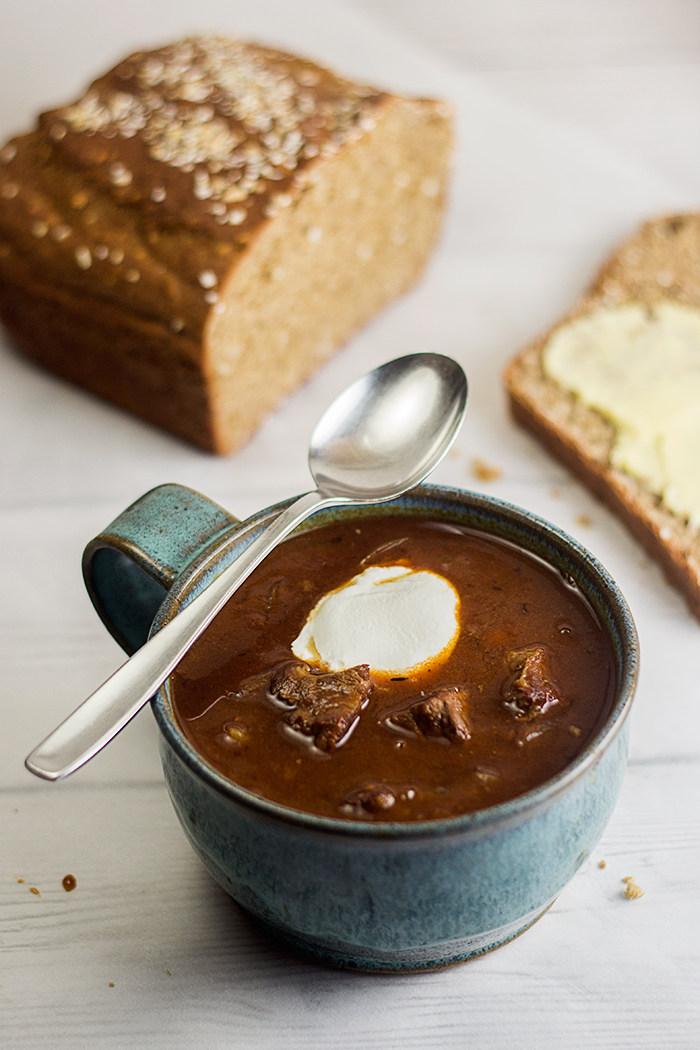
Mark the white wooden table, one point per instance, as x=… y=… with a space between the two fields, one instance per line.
x=577 y=120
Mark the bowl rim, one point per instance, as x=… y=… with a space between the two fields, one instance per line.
x=592 y=575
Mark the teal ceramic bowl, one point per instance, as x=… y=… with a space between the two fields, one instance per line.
x=381 y=897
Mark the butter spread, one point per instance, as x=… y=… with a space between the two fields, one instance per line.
x=640 y=368
x=393 y=618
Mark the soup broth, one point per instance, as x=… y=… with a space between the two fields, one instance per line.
x=527 y=684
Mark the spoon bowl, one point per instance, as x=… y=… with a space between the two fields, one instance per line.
x=386 y=432
x=380 y=438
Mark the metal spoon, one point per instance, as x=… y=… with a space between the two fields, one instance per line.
x=380 y=438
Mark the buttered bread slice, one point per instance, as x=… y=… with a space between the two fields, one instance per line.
x=614 y=391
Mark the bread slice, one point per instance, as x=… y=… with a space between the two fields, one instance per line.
x=658 y=264
x=208 y=223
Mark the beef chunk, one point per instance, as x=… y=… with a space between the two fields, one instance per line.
x=325 y=704
x=374 y=798
x=528 y=691
x=442 y=713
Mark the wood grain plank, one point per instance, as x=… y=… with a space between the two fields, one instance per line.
x=597 y=970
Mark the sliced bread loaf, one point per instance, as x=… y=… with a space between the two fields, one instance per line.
x=208 y=223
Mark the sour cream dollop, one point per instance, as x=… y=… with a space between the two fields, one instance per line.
x=394 y=618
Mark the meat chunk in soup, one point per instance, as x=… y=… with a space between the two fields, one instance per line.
x=371 y=797
x=442 y=713
x=529 y=691
x=324 y=704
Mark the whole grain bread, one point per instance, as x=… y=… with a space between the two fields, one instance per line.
x=659 y=263
x=207 y=223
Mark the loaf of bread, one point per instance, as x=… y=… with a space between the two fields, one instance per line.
x=199 y=231
x=613 y=390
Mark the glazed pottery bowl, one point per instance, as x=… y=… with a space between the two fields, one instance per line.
x=374 y=896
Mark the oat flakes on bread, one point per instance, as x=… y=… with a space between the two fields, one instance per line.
x=656 y=271
x=208 y=223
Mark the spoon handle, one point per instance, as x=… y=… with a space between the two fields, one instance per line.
x=116 y=701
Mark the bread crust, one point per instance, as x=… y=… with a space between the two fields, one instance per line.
x=131 y=222
x=659 y=263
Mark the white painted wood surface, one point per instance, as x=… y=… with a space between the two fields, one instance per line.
x=577 y=119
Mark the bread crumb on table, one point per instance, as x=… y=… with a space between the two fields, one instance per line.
x=69 y=882
x=484 y=472
x=602 y=864
x=34 y=890
x=632 y=890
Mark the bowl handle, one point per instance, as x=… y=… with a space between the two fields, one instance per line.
x=130 y=566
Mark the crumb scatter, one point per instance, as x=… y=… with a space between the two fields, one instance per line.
x=484 y=471
x=632 y=890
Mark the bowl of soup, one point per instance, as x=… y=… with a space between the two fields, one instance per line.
x=405 y=732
